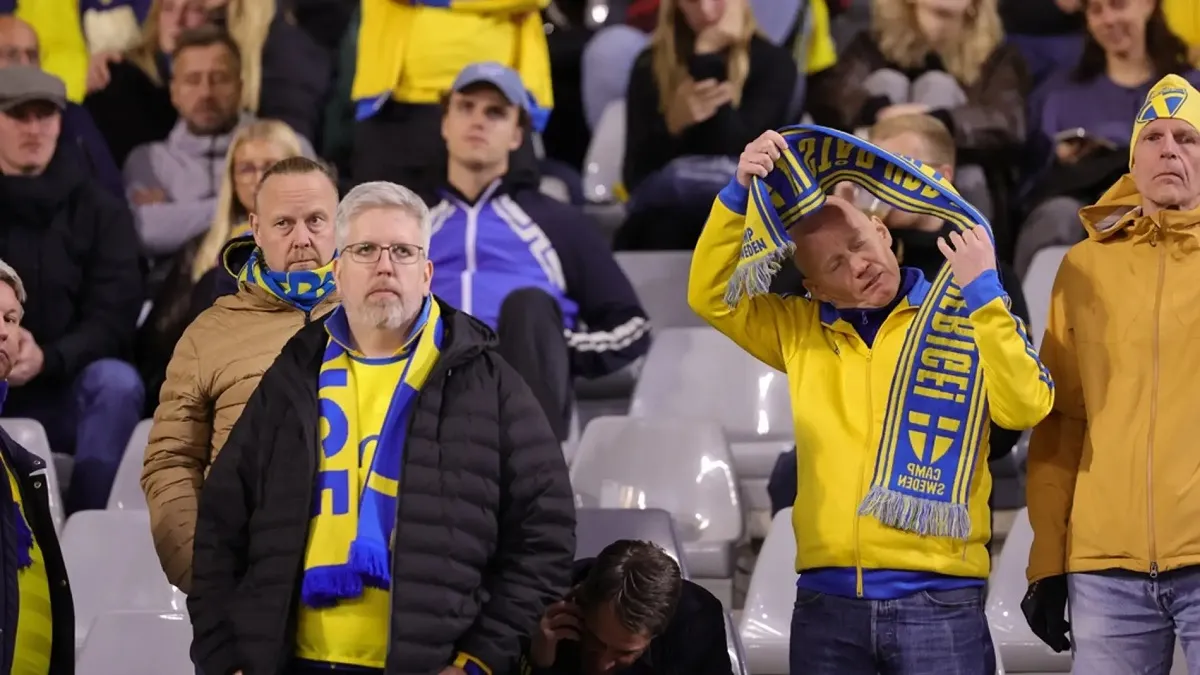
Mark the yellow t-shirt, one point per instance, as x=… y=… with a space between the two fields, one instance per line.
x=355 y=632
x=35 y=627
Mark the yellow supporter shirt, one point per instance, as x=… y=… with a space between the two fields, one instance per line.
x=355 y=631
x=35 y=628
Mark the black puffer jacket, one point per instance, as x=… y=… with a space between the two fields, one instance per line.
x=485 y=530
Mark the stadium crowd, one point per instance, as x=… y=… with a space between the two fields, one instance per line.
x=357 y=260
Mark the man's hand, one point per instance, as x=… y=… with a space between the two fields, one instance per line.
x=144 y=196
x=970 y=254
x=696 y=102
x=902 y=109
x=448 y=670
x=30 y=359
x=1069 y=6
x=759 y=157
x=562 y=621
x=1045 y=610
x=98 y=75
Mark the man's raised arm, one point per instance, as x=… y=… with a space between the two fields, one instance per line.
x=761 y=323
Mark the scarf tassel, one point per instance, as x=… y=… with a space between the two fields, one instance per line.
x=371 y=560
x=24 y=539
x=920 y=516
x=324 y=586
x=754 y=278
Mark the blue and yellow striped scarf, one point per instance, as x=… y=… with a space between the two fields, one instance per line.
x=937 y=409
x=349 y=544
x=302 y=289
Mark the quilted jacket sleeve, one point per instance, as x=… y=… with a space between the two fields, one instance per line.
x=532 y=564
x=176 y=458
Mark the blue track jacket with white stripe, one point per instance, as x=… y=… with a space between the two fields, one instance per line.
x=515 y=237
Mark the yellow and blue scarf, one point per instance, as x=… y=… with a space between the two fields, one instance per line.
x=937 y=409
x=302 y=289
x=350 y=544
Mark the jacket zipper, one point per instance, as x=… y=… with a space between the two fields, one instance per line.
x=470 y=237
x=1154 y=357
x=858 y=567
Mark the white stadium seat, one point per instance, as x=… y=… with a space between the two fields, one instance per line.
x=597 y=528
x=660 y=279
x=137 y=643
x=1039 y=282
x=699 y=374
x=30 y=435
x=680 y=466
x=112 y=566
x=127 y=486
x=605 y=154
x=766 y=624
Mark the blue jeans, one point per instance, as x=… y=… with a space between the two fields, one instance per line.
x=92 y=420
x=929 y=633
x=1124 y=623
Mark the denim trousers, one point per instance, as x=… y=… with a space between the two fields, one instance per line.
x=927 y=633
x=1125 y=623
x=92 y=419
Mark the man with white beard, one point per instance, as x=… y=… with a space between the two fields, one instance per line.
x=435 y=521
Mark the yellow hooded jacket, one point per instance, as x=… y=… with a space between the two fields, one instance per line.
x=839 y=389
x=1113 y=471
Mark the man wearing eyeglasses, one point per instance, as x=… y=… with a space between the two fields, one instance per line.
x=285 y=280
x=392 y=499
x=532 y=268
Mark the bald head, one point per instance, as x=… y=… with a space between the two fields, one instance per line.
x=18 y=43
x=846 y=256
x=838 y=217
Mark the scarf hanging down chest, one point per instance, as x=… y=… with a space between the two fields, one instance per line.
x=350 y=542
x=936 y=407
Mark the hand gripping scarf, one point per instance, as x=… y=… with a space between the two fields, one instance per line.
x=937 y=409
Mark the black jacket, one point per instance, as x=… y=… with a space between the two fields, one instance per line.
x=30 y=472
x=693 y=644
x=127 y=126
x=485 y=528
x=766 y=95
x=76 y=250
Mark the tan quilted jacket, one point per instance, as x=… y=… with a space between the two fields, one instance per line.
x=215 y=368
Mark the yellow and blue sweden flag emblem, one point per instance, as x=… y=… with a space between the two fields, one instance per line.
x=1165 y=102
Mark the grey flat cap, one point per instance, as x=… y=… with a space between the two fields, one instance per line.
x=22 y=84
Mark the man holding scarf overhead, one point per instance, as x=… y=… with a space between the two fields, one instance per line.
x=392 y=499
x=894 y=378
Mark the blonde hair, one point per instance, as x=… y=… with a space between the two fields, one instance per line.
x=672 y=43
x=894 y=26
x=938 y=140
x=228 y=208
x=247 y=22
x=144 y=54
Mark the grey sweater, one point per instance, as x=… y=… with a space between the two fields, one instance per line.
x=188 y=169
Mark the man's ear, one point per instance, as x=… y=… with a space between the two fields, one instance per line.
x=947 y=172
x=814 y=290
x=882 y=229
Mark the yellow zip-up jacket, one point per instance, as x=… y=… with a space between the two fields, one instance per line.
x=839 y=392
x=1114 y=471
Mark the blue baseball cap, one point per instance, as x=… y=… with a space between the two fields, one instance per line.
x=499 y=76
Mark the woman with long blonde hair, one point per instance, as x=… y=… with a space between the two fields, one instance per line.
x=254 y=148
x=707 y=85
